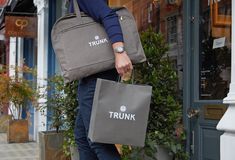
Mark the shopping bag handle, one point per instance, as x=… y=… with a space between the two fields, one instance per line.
x=132 y=77
x=77 y=11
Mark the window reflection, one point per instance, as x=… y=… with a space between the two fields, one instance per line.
x=224 y=7
x=144 y=11
x=215 y=53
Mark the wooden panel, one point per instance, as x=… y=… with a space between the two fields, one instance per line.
x=18 y=131
x=210 y=144
x=21 y=26
x=214 y=112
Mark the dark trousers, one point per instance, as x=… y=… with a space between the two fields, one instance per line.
x=87 y=149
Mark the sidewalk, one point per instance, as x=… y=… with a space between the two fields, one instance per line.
x=17 y=151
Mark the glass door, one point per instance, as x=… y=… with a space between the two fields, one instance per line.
x=209 y=74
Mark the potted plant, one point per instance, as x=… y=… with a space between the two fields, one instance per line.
x=4 y=118
x=19 y=92
x=4 y=122
x=58 y=104
x=71 y=109
x=165 y=130
x=3 y=103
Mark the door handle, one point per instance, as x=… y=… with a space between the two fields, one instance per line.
x=193 y=113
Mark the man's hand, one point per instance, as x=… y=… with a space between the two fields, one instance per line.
x=123 y=63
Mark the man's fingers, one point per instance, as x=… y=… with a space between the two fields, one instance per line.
x=131 y=66
x=124 y=68
x=120 y=71
x=128 y=68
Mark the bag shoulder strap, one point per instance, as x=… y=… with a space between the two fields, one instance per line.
x=77 y=11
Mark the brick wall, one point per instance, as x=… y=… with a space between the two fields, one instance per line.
x=167 y=10
x=140 y=9
x=160 y=12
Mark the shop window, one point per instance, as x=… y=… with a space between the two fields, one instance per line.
x=172 y=29
x=215 y=50
x=220 y=12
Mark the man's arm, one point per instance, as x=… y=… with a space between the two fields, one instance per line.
x=102 y=13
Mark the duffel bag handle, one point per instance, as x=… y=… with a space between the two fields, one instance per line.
x=77 y=11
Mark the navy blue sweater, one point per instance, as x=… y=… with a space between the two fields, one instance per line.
x=102 y=13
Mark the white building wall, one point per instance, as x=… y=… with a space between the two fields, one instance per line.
x=40 y=118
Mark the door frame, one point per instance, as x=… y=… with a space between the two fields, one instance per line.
x=187 y=41
x=191 y=48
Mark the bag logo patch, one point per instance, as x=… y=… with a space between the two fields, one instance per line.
x=122 y=115
x=123 y=108
x=98 y=41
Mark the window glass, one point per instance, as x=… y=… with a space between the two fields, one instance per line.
x=144 y=11
x=215 y=49
x=172 y=29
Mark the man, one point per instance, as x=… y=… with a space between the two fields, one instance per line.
x=100 y=12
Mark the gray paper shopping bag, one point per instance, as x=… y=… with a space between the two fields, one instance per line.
x=120 y=113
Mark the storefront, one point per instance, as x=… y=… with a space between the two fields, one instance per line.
x=199 y=36
x=207 y=75
x=18 y=43
x=48 y=11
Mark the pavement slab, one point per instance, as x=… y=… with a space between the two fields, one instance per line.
x=17 y=151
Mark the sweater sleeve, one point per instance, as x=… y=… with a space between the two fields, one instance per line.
x=102 y=13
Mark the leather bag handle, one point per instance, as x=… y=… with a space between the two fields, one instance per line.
x=77 y=11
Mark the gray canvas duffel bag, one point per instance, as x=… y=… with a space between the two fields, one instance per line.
x=82 y=46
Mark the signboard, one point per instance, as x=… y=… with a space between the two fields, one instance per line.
x=3 y=3
x=21 y=26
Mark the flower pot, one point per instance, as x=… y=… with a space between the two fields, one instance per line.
x=163 y=153
x=51 y=146
x=18 y=131
x=74 y=153
x=4 y=123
